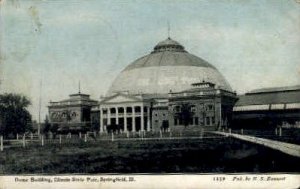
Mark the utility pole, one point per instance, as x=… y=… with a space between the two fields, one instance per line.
x=40 y=104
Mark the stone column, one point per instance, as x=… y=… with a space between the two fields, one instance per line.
x=133 y=119
x=220 y=114
x=101 y=120
x=108 y=116
x=125 y=119
x=142 y=118
x=1 y=143
x=117 y=116
x=148 y=118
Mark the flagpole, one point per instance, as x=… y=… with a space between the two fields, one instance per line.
x=40 y=102
x=169 y=30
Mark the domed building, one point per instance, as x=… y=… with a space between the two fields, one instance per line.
x=146 y=93
x=169 y=67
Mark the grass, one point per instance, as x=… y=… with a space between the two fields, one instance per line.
x=213 y=155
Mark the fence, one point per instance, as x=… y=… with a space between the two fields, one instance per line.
x=23 y=141
x=290 y=135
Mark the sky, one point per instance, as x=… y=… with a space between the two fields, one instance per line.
x=48 y=46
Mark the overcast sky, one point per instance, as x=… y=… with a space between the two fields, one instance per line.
x=254 y=44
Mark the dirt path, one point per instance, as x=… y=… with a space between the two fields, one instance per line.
x=288 y=148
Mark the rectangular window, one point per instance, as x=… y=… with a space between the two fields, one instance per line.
x=129 y=109
x=191 y=121
x=207 y=121
x=112 y=110
x=209 y=107
x=193 y=108
x=201 y=107
x=104 y=121
x=196 y=121
x=180 y=121
x=177 y=108
x=137 y=109
x=175 y=121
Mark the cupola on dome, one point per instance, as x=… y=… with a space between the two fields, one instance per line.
x=168 y=45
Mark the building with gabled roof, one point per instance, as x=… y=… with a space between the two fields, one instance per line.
x=125 y=111
x=268 y=106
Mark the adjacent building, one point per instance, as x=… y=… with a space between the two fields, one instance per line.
x=210 y=107
x=268 y=107
x=72 y=114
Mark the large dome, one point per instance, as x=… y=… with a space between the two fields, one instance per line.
x=167 y=68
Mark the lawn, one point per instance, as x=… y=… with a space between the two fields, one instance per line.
x=212 y=155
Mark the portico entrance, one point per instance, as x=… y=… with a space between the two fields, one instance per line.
x=129 y=113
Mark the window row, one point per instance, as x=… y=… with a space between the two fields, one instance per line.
x=63 y=114
x=208 y=121
x=121 y=110
x=193 y=108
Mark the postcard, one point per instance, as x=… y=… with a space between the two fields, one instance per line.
x=149 y=94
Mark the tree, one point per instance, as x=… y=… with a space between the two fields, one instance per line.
x=185 y=113
x=95 y=125
x=14 y=116
x=54 y=129
x=47 y=125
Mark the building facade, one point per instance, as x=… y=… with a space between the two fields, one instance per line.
x=73 y=114
x=209 y=107
x=125 y=112
x=149 y=94
x=139 y=99
x=160 y=112
x=269 y=107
